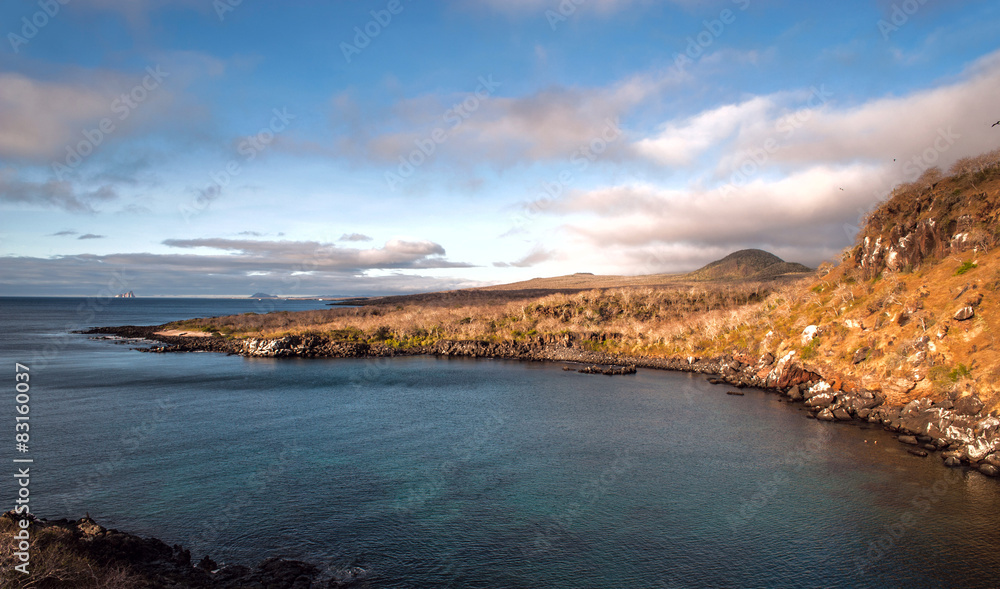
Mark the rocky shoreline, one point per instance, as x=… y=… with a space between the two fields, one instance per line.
x=956 y=429
x=126 y=560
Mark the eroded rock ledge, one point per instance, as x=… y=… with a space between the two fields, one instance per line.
x=957 y=428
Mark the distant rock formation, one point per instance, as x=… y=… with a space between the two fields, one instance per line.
x=125 y=295
x=749 y=264
x=262 y=295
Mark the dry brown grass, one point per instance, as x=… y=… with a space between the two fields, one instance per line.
x=54 y=563
x=651 y=319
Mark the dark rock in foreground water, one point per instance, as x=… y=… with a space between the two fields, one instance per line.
x=130 y=561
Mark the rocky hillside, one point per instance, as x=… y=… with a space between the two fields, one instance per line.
x=911 y=311
x=749 y=264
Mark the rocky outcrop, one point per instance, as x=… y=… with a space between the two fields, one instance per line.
x=608 y=370
x=148 y=562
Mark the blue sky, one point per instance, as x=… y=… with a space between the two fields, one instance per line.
x=196 y=147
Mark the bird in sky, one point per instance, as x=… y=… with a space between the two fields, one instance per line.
x=995 y=124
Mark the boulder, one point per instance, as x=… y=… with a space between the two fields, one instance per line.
x=952 y=462
x=824 y=400
x=795 y=393
x=965 y=313
x=348 y=577
x=825 y=415
x=856 y=402
x=861 y=355
x=968 y=405
x=918 y=452
x=907 y=440
x=841 y=414
x=989 y=470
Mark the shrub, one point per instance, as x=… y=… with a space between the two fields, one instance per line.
x=965 y=267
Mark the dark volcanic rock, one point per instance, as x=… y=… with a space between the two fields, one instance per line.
x=161 y=566
x=989 y=470
x=824 y=399
x=968 y=405
x=908 y=440
x=918 y=452
x=608 y=370
x=841 y=414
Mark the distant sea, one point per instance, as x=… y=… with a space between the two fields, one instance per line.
x=474 y=473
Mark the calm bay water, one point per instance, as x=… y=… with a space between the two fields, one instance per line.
x=476 y=473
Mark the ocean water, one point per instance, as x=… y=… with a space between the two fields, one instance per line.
x=474 y=473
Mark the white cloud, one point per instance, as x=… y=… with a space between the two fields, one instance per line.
x=307 y=255
x=550 y=124
x=53 y=194
x=39 y=118
x=681 y=143
x=235 y=266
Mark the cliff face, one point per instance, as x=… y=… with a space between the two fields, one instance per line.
x=925 y=222
x=912 y=309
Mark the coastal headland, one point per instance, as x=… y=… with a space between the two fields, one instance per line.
x=901 y=332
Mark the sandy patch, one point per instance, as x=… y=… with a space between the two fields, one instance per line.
x=182 y=333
